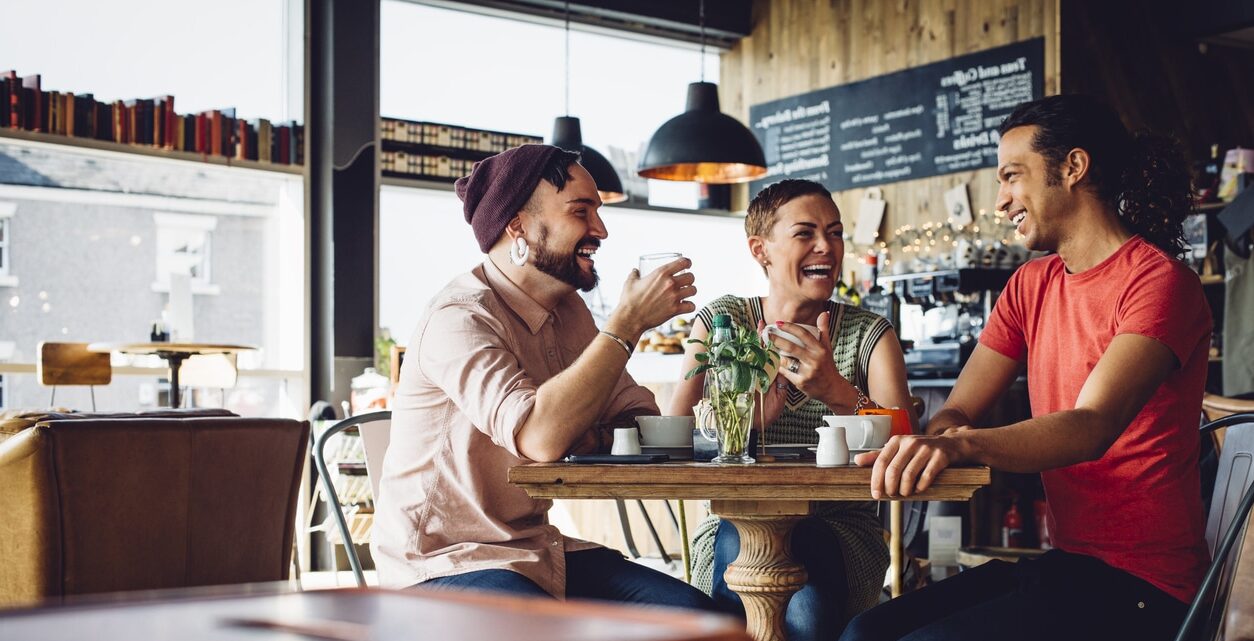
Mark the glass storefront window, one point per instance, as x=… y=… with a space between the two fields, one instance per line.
x=91 y=235
x=472 y=70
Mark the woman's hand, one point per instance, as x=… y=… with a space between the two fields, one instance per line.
x=809 y=366
x=774 y=398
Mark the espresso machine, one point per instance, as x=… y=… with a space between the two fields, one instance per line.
x=940 y=315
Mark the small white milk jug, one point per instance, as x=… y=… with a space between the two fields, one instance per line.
x=832 y=450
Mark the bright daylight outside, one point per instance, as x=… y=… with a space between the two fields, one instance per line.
x=102 y=245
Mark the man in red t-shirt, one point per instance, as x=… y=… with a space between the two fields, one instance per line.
x=1113 y=332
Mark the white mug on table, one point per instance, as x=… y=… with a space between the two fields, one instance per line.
x=863 y=431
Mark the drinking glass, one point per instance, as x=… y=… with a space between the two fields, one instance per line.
x=650 y=262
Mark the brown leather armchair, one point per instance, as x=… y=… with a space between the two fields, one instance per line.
x=94 y=504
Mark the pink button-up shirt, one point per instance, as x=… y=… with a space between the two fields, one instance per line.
x=467 y=385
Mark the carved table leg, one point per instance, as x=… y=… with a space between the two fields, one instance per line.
x=764 y=575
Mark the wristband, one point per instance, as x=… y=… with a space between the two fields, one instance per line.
x=622 y=343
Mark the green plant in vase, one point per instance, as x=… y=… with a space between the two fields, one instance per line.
x=735 y=364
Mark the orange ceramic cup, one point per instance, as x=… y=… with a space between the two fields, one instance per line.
x=901 y=418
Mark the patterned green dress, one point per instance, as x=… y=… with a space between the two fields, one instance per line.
x=854 y=333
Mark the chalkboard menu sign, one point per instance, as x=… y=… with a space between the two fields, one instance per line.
x=926 y=121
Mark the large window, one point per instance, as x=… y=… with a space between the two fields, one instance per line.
x=228 y=53
x=493 y=73
x=477 y=71
x=425 y=243
x=102 y=231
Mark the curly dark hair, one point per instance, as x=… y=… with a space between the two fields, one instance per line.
x=556 y=172
x=1142 y=176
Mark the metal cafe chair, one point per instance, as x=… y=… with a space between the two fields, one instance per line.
x=1229 y=513
x=374 y=428
x=630 y=541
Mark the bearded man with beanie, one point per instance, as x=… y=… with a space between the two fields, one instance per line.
x=505 y=368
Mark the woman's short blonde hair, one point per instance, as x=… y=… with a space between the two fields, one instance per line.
x=764 y=209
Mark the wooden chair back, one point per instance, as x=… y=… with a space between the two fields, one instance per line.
x=1215 y=407
x=72 y=364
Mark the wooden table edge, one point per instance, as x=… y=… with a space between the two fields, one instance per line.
x=560 y=480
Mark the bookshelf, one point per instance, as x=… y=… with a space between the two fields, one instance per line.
x=41 y=139
x=441 y=185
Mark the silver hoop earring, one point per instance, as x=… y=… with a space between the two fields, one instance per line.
x=518 y=251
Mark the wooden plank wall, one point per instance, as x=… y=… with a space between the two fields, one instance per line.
x=1127 y=53
x=801 y=45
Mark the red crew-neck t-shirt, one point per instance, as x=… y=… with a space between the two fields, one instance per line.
x=1137 y=508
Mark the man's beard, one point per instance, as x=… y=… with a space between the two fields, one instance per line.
x=564 y=267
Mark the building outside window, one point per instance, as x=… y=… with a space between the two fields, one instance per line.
x=7 y=278
x=184 y=247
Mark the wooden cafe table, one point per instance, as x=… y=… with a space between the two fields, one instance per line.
x=763 y=501
x=263 y=612
x=172 y=353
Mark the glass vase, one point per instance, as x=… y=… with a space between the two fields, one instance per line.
x=732 y=414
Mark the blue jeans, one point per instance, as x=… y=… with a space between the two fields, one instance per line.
x=1058 y=596
x=600 y=574
x=817 y=610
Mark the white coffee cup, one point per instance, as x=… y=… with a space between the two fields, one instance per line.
x=833 y=450
x=865 y=431
x=626 y=441
x=666 y=431
x=775 y=330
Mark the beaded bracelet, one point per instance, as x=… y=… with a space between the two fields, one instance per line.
x=863 y=400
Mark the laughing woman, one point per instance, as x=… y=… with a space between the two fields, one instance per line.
x=795 y=233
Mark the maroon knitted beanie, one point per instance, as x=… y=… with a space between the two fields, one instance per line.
x=498 y=187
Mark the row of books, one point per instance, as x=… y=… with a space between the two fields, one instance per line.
x=151 y=122
x=480 y=143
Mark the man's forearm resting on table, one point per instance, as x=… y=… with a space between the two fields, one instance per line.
x=567 y=404
x=1044 y=443
x=949 y=417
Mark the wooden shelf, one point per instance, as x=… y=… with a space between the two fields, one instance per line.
x=40 y=139
x=416 y=183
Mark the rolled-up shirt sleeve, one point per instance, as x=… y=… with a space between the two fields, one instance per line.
x=630 y=399
x=465 y=352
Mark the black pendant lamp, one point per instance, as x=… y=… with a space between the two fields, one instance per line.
x=568 y=135
x=703 y=144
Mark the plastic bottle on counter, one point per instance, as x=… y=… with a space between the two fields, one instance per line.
x=1012 y=526
x=1042 y=525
